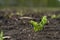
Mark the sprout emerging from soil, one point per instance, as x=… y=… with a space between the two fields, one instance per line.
x=1 y=35
x=39 y=26
x=55 y=16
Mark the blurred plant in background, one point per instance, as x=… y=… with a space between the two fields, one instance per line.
x=30 y=3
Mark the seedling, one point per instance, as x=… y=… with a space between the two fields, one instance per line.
x=1 y=35
x=55 y=16
x=43 y=22
x=35 y=24
x=39 y=26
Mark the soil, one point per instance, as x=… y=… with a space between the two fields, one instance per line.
x=18 y=27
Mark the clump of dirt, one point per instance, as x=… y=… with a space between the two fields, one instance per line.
x=18 y=27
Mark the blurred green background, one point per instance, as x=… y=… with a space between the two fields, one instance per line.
x=30 y=3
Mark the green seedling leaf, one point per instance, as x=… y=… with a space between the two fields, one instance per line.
x=53 y=16
x=39 y=26
x=35 y=24
x=42 y=23
x=1 y=35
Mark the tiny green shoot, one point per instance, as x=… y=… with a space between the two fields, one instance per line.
x=55 y=16
x=39 y=26
x=1 y=35
x=43 y=22
x=35 y=24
